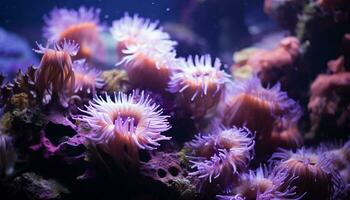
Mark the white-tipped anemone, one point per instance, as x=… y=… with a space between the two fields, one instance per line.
x=221 y=155
x=145 y=61
x=317 y=176
x=161 y=55
x=86 y=79
x=200 y=82
x=263 y=184
x=60 y=20
x=136 y=30
x=122 y=124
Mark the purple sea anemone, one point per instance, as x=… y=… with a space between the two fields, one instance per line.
x=82 y=26
x=138 y=31
x=55 y=74
x=86 y=79
x=200 y=83
x=317 y=176
x=222 y=155
x=263 y=183
x=122 y=125
x=259 y=108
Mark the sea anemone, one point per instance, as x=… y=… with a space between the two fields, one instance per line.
x=82 y=26
x=340 y=154
x=200 y=83
x=123 y=125
x=317 y=176
x=263 y=183
x=259 y=108
x=138 y=31
x=55 y=74
x=86 y=79
x=221 y=156
x=143 y=62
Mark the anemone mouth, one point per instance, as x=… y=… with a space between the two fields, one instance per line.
x=137 y=120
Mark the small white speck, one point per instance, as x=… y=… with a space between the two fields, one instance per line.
x=167 y=9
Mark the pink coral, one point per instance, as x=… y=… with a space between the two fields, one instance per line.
x=269 y=64
x=329 y=97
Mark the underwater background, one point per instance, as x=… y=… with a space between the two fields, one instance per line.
x=175 y=99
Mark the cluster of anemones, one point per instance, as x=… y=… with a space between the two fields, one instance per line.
x=220 y=157
x=123 y=124
x=262 y=110
x=82 y=26
x=146 y=51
